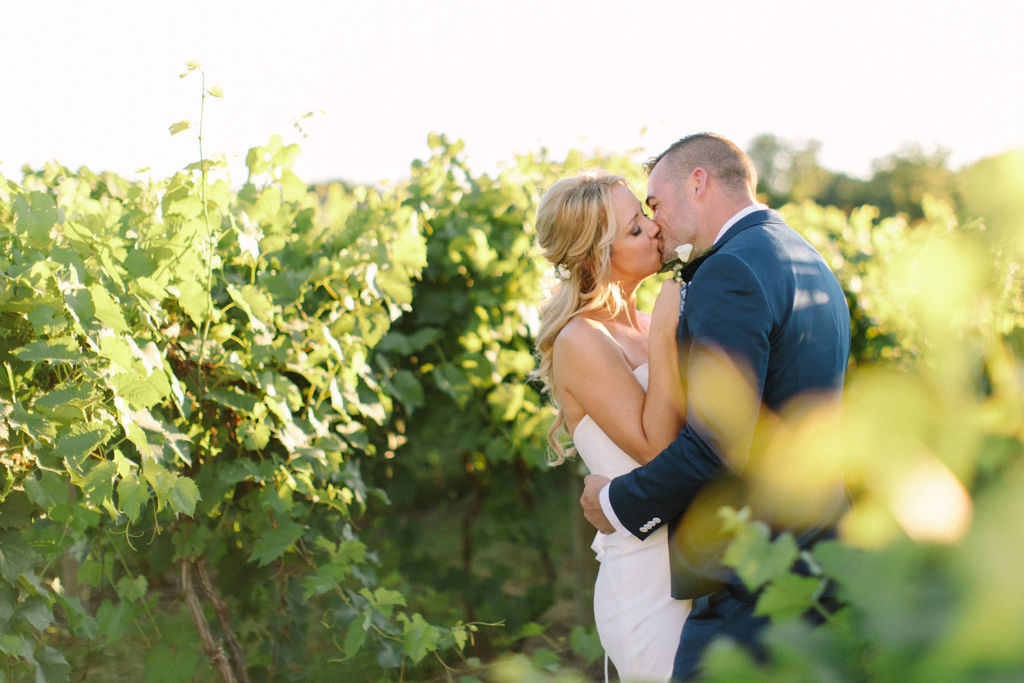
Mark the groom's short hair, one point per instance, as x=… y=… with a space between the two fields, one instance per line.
x=726 y=162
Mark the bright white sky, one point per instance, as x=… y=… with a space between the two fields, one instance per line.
x=96 y=83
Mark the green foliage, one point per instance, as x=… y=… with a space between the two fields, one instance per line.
x=931 y=448
x=185 y=376
x=317 y=399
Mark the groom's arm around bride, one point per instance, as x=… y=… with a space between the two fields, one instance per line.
x=765 y=322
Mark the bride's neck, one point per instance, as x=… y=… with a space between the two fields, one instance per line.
x=627 y=313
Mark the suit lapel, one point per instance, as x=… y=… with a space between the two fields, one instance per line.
x=750 y=220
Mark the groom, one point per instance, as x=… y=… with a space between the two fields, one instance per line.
x=761 y=304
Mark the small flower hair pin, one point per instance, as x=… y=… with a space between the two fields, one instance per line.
x=561 y=272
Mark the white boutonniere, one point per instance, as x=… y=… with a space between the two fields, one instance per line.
x=684 y=254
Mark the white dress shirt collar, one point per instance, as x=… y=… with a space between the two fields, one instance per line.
x=736 y=218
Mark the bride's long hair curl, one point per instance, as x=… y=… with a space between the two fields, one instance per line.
x=575 y=229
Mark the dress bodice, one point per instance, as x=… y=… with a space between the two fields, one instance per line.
x=599 y=452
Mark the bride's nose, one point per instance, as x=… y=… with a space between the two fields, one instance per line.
x=653 y=231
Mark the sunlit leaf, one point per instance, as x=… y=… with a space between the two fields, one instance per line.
x=58 y=349
x=183 y=494
x=36 y=214
x=74 y=448
x=107 y=310
x=787 y=597
x=99 y=483
x=132 y=493
x=753 y=554
x=195 y=300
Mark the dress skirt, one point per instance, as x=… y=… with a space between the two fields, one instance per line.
x=638 y=621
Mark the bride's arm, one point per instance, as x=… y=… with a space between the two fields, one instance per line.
x=665 y=405
x=590 y=367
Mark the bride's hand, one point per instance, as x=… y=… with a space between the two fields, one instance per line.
x=665 y=316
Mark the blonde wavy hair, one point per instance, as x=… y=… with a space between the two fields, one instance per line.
x=575 y=229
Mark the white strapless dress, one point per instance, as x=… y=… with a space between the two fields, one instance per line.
x=638 y=621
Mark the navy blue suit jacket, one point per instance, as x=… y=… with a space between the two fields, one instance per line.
x=764 y=299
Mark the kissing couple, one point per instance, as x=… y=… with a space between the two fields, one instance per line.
x=641 y=394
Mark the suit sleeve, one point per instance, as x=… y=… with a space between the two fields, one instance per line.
x=725 y=341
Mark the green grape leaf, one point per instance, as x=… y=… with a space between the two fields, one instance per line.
x=139 y=390
x=586 y=643
x=394 y=284
x=132 y=589
x=183 y=495
x=117 y=351
x=131 y=495
x=292 y=187
x=51 y=666
x=79 y=303
x=56 y=349
x=81 y=623
x=16 y=510
x=383 y=599
x=235 y=399
x=407 y=344
x=755 y=557
x=43 y=316
x=787 y=597
x=253 y=435
x=16 y=557
x=194 y=300
x=37 y=612
x=187 y=207
x=273 y=543
x=158 y=477
x=46 y=489
x=61 y=397
x=36 y=215
x=257 y=304
x=167 y=664
x=355 y=636
x=98 y=485
x=453 y=381
x=506 y=400
x=107 y=310
x=15 y=645
x=75 y=448
x=406 y=388
x=461 y=635
x=326 y=578
x=420 y=638
x=8 y=601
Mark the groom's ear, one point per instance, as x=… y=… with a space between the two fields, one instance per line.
x=699 y=184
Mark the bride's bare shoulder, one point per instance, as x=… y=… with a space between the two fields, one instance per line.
x=584 y=343
x=580 y=335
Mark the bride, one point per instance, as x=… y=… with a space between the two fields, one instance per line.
x=612 y=373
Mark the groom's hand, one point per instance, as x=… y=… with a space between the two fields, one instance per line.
x=591 y=502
